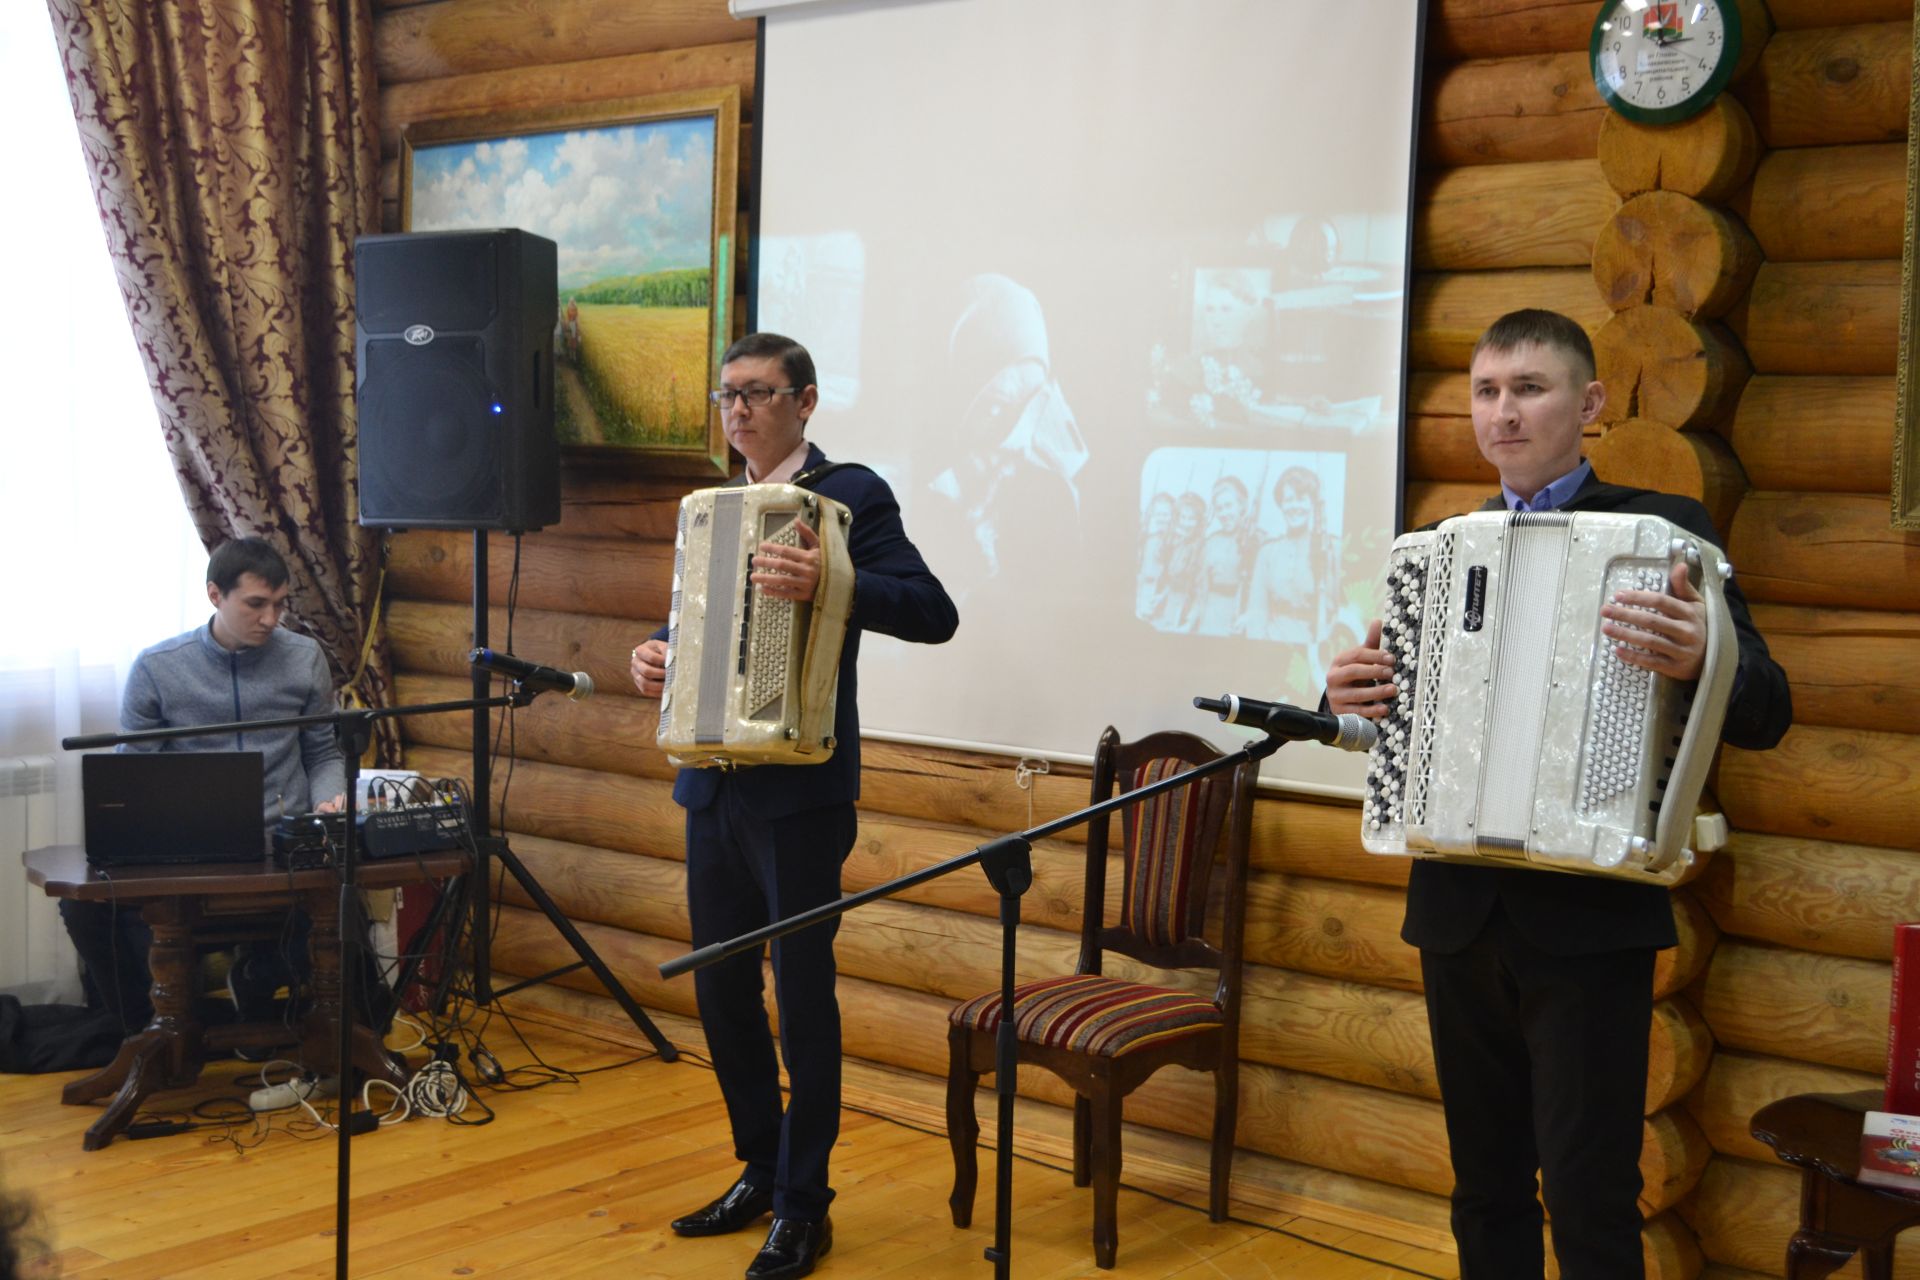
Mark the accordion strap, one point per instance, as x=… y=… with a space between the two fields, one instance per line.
x=810 y=480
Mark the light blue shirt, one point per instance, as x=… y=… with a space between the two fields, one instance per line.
x=1554 y=496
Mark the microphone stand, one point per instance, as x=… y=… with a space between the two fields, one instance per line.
x=1008 y=864
x=353 y=730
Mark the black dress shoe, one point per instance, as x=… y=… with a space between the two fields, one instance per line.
x=741 y=1204
x=791 y=1249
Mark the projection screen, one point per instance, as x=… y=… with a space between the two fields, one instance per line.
x=1113 y=293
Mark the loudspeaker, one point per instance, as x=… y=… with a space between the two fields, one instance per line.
x=453 y=355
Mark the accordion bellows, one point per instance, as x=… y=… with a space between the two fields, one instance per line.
x=1518 y=737
x=751 y=678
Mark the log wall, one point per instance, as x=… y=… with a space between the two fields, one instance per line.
x=1740 y=275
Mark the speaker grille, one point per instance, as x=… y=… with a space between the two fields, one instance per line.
x=446 y=282
x=437 y=449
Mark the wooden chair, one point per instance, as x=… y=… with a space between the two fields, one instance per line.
x=1105 y=1035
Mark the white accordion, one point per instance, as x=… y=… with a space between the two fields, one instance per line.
x=750 y=677
x=1518 y=737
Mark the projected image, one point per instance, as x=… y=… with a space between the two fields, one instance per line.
x=816 y=286
x=1240 y=542
x=1273 y=341
x=1015 y=449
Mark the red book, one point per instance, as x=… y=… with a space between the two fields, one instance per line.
x=1903 y=1034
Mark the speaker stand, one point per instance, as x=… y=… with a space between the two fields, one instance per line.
x=489 y=847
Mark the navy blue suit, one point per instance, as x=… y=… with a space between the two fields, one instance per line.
x=766 y=842
x=1539 y=991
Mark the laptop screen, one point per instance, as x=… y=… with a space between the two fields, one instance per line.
x=173 y=806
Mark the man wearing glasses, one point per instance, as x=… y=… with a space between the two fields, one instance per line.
x=766 y=842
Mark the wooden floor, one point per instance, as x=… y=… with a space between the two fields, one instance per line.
x=580 y=1181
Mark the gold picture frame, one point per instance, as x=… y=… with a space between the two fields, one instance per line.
x=1906 y=431
x=639 y=195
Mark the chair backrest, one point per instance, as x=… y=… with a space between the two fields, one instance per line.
x=1171 y=844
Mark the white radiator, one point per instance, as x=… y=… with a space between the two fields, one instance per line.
x=36 y=961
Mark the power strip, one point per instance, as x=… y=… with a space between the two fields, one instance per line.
x=291 y=1093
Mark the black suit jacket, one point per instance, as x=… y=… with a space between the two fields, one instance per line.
x=1566 y=914
x=895 y=594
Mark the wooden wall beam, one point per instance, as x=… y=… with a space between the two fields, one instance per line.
x=1743 y=1212
x=1793 y=1004
x=1826 y=549
x=1483 y=217
x=1807 y=433
x=1503 y=110
x=1830 y=84
x=606 y=576
x=463 y=37
x=595 y=79
x=1826 y=784
x=1822 y=317
x=1739 y=1084
x=1452 y=309
x=1849 y=668
x=1811 y=894
x=1823 y=204
x=1460 y=29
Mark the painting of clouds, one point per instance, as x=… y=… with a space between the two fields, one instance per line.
x=631 y=208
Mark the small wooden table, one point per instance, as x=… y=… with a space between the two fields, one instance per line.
x=177 y=902
x=1839 y=1217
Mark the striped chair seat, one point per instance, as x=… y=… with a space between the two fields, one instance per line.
x=1090 y=1014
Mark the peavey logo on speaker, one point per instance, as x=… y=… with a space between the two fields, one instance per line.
x=1475 y=614
x=418 y=334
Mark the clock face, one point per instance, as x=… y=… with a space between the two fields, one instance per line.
x=1658 y=61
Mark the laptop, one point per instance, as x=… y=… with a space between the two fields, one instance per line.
x=146 y=808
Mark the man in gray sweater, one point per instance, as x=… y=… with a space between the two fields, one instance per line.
x=241 y=665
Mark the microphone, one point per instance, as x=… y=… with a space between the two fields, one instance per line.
x=1295 y=724
x=534 y=679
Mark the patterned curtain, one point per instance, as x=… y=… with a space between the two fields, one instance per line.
x=234 y=152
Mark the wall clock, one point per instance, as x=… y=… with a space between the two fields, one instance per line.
x=1659 y=61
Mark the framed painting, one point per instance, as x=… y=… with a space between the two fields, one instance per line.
x=638 y=194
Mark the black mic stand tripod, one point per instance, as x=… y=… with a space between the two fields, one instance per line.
x=1008 y=864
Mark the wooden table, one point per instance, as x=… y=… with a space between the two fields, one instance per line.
x=1839 y=1217
x=180 y=904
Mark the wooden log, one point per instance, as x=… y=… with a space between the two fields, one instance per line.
x=1798 y=15
x=1444 y=449
x=625 y=891
x=1744 y=1211
x=1832 y=84
x=1792 y=1004
x=1739 y=1084
x=1822 y=317
x=1657 y=364
x=1428 y=502
x=462 y=37
x=1668 y=1250
x=1670 y=250
x=1812 y=895
x=1707 y=157
x=1821 y=204
x=1849 y=668
x=1679 y=1053
x=1780 y=416
x=1451 y=310
x=596 y=79
x=1330 y=928
x=599 y=502
x=1652 y=455
x=1827 y=784
x=1483 y=217
x=613 y=578
x=610 y=734
x=605 y=810
x=1673 y=1154
x=433 y=640
x=1439 y=393
x=1676 y=967
x=1458 y=29
x=1825 y=549
x=1509 y=110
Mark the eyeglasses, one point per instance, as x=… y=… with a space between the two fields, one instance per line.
x=758 y=397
